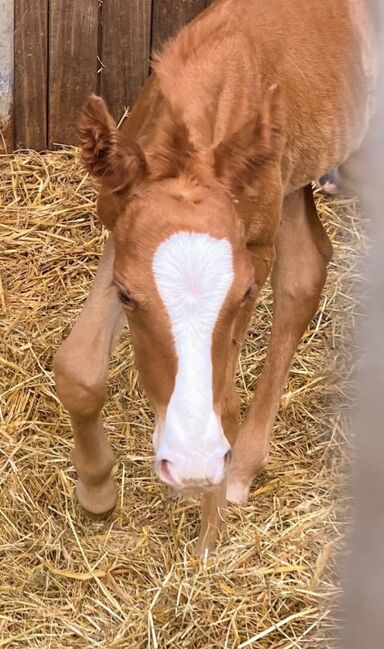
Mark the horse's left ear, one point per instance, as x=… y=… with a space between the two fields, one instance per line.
x=259 y=142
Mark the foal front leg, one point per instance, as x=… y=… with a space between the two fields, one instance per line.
x=214 y=503
x=80 y=368
x=303 y=251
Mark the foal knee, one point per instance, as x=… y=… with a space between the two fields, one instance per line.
x=78 y=387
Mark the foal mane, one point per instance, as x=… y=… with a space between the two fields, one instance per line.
x=181 y=148
x=189 y=73
x=187 y=49
x=214 y=124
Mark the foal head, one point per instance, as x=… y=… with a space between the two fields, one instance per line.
x=183 y=274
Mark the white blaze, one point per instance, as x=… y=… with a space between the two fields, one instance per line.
x=193 y=274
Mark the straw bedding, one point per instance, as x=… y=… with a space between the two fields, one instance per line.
x=133 y=581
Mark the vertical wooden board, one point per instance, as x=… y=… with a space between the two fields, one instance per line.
x=73 y=42
x=31 y=45
x=6 y=74
x=170 y=15
x=125 y=49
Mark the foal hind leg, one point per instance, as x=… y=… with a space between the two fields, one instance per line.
x=80 y=367
x=302 y=253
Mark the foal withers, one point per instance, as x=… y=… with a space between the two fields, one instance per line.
x=208 y=186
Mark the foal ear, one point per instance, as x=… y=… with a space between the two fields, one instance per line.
x=117 y=162
x=258 y=142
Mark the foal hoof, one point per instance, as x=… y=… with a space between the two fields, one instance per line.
x=237 y=491
x=238 y=487
x=207 y=542
x=99 y=501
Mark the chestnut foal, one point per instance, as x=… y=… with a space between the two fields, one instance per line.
x=207 y=191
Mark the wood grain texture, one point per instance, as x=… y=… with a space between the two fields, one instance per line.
x=170 y=15
x=73 y=44
x=30 y=99
x=125 y=50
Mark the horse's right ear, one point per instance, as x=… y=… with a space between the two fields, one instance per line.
x=117 y=162
x=240 y=159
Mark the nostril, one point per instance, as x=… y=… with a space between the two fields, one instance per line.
x=165 y=472
x=227 y=458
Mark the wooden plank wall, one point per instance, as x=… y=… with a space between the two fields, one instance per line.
x=66 y=49
x=169 y=16
x=73 y=48
x=31 y=73
x=125 y=51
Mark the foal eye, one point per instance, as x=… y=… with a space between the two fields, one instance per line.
x=126 y=299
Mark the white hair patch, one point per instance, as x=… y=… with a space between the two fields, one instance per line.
x=193 y=274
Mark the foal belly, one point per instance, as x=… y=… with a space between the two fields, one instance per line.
x=326 y=141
